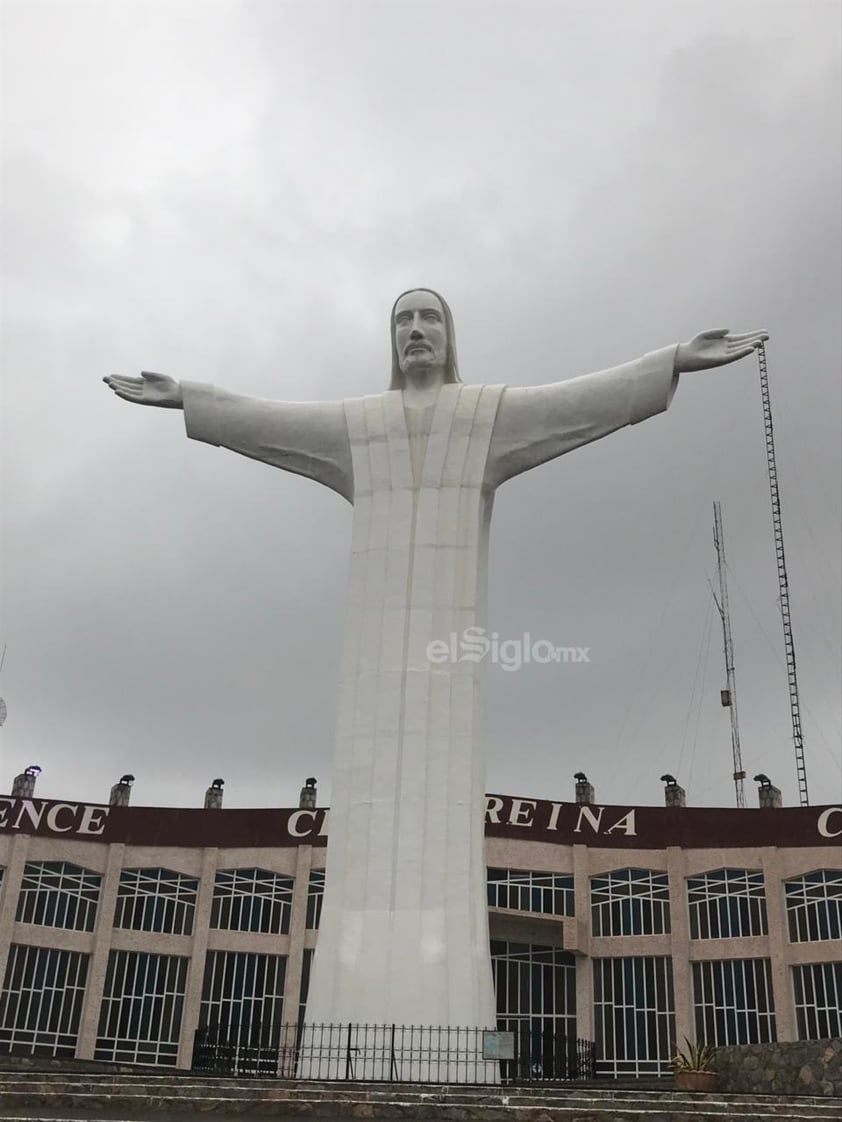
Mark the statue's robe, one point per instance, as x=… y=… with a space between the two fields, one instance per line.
x=403 y=937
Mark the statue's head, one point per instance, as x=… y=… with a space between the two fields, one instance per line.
x=422 y=336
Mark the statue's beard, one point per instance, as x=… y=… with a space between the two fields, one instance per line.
x=423 y=366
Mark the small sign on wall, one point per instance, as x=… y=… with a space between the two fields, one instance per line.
x=498 y=1045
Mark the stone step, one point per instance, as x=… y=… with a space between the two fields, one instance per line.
x=443 y=1107
x=260 y=1089
x=183 y=1085
x=29 y=1094
x=439 y=1112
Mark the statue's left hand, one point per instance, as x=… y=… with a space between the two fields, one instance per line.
x=716 y=348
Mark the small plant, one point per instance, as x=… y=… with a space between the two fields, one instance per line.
x=695 y=1057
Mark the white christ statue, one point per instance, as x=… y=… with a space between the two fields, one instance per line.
x=404 y=936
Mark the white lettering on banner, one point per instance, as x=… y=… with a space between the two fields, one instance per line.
x=45 y=817
x=28 y=808
x=89 y=820
x=52 y=817
x=593 y=820
x=553 y=822
x=823 y=823
x=93 y=820
x=296 y=817
x=626 y=824
x=493 y=807
x=521 y=812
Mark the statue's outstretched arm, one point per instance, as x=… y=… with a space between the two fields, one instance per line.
x=537 y=423
x=309 y=437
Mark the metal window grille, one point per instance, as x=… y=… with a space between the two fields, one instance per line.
x=41 y=1003
x=58 y=894
x=630 y=902
x=242 y=993
x=734 y=1002
x=727 y=904
x=252 y=900
x=315 y=895
x=814 y=906
x=142 y=1002
x=534 y=983
x=818 y=1000
x=530 y=892
x=634 y=1016
x=536 y=999
x=306 y=967
x=156 y=900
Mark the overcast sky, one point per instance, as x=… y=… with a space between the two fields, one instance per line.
x=235 y=192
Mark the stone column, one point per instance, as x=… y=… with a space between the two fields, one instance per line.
x=779 y=945
x=680 y=946
x=584 y=964
x=98 y=964
x=11 y=891
x=297 y=929
x=196 y=973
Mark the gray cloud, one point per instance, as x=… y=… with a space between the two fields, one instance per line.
x=235 y=193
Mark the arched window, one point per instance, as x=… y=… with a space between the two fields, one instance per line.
x=727 y=904
x=156 y=900
x=814 y=906
x=630 y=902
x=252 y=900
x=58 y=894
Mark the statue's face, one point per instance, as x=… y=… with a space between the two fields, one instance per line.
x=420 y=332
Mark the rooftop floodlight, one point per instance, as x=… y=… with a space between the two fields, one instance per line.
x=311 y=782
x=763 y=780
x=33 y=769
x=218 y=784
x=127 y=779
x=670 y=780
x=580 y=775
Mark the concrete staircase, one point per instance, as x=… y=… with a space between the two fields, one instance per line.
x=88 y=1096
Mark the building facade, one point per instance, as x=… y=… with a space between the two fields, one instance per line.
x=124 y=930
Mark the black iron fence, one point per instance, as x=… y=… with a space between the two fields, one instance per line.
x=525 y=1052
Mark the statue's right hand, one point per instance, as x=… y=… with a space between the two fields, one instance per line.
x=148 y=389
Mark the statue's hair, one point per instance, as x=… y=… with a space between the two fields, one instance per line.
x=451 y=367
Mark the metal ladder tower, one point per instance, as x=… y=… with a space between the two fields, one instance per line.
x=728 y=695
x=783 y=583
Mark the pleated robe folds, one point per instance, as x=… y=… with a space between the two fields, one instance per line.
x=404 y=928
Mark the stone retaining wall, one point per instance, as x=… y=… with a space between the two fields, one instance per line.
x=806 y=1067
x=10 y=1062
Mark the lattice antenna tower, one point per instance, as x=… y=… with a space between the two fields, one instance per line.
x=729 y=694
x=783 y=583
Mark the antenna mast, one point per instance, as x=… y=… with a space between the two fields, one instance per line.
x=729 y=695
x=783 y=583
